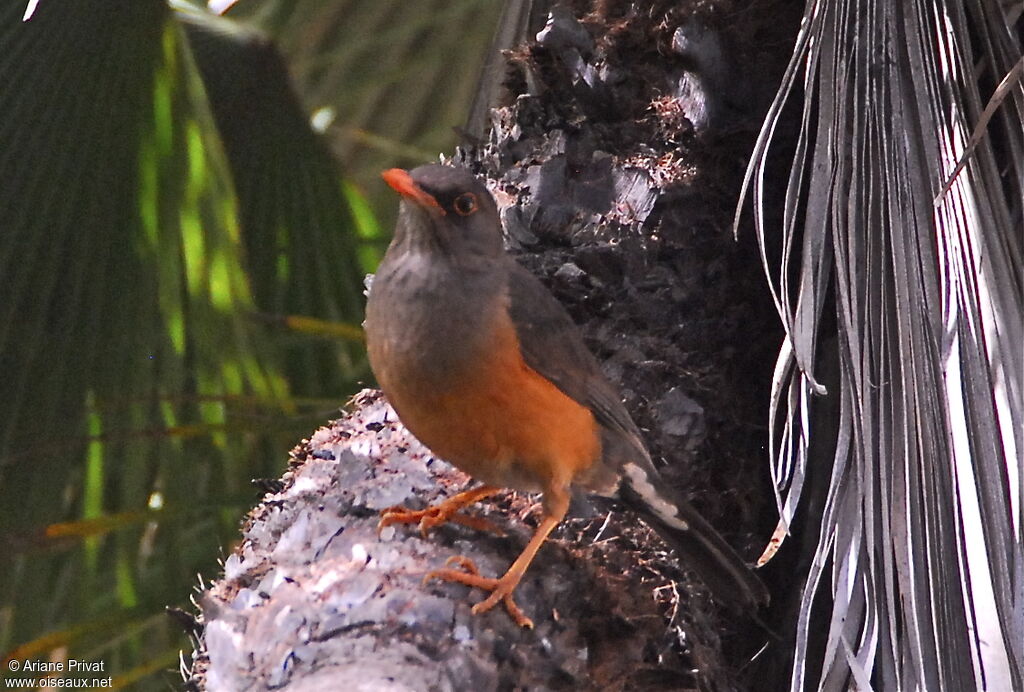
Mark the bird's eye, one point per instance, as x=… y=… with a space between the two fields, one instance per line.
x=465 y=204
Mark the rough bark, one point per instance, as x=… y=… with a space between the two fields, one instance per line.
x=315 y=599
x=616 y=159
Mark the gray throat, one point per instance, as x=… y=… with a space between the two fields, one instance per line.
x=428 y=309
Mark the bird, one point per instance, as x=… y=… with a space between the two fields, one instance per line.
x=485 y=367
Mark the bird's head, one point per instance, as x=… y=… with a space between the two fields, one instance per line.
x=446 y=209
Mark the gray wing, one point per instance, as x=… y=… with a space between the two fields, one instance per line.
x=552 y=345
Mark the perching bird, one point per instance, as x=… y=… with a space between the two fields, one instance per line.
x=486 y=368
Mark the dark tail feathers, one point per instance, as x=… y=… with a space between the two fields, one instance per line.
x=699 y=545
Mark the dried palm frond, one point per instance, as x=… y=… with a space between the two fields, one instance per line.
x=917 y=578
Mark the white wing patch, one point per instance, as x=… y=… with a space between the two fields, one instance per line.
x=665 y=510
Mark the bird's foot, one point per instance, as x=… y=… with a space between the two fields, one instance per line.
x=432 y=517
x=501 y=589
x=442 y=513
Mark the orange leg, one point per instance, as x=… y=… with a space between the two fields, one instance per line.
x=556 y=505
x=446 y=511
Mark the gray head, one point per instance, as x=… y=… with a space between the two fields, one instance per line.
x=445 y=210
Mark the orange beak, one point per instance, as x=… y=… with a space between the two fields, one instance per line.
x=404 y=185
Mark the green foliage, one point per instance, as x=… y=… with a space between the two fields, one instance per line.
x=126 y=339
x=300 y=250
x=393 y=79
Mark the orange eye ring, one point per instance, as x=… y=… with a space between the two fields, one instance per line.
x=465 y=204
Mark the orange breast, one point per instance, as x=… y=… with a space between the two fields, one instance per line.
x=501 y=421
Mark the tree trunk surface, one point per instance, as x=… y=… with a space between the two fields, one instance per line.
x=616 y=157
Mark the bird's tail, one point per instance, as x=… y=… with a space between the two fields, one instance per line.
x=699 y=545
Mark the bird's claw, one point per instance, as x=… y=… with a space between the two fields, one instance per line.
x=432 y=517
x=501 y=589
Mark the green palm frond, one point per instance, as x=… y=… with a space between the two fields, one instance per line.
x=301 y=246
x=120 y=258
x=917 y=581
x=397 y=77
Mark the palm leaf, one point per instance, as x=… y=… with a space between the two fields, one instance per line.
x=125 y=308
x=396 y=77
x=918 y=574
x=301 y=246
